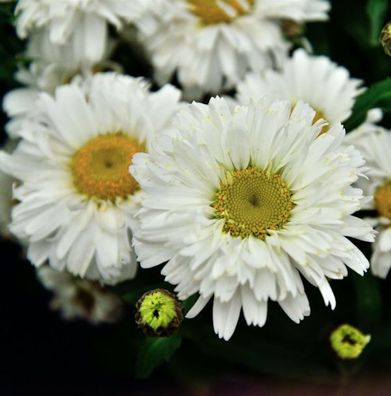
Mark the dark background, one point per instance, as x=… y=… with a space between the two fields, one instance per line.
x=42 y=353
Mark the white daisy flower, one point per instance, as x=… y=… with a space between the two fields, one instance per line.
x=374 y=145
x=51 y=67
x=84 y=22
x=242 y=203
x=77 y=298
x=317 y=80
x=76 y=197
x=211 y=44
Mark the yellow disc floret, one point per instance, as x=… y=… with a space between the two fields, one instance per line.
x=253 y=202
x=212 y=12
x=100 y=168
x=383 y=200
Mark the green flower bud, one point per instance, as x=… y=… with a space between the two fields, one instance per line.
x=385 y=38
x=348 y=342
x=158 y=313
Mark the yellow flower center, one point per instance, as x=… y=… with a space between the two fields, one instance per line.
x=100 y=168
x=212 y=12
x=320 y=116
x=253 y=202
x=383 y=200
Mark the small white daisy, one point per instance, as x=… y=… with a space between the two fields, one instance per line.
x=76 y=197
x=325 y=86
x=211 y=44
x=77 y=298
x=50 y=67
x=375 y=146
x=83 y=22
x=241 y=203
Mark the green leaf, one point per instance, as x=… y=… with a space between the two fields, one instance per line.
x=376 y=10
x=368 y=305
x=155 y=351
x=379 y=95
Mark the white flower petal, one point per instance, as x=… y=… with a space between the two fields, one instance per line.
x=226 y=316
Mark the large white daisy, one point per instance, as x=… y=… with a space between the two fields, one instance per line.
x=242 y=203
x=76 y=197
x=211 y=44
x=324 y=85
x=375 y=146
x=84 y=22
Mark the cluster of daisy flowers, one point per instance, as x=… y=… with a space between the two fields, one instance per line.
x=242 y=199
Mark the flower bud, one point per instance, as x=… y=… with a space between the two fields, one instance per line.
x=385 y=38
x=158 y=313
x=348 y=342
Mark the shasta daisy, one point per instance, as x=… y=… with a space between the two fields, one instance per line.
x=211 y=44
x=76 y=197
x=77 y=298
x=85 y=20
x=325 y=86
x=51 y=66
x=242 y=203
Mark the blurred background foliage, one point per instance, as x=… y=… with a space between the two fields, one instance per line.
x=281 y=348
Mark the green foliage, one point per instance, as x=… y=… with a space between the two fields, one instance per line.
x=378 y=95
x=377 y=10
x=155 y=351
x=9 y=47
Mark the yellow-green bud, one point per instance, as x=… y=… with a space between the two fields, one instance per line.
x=158 y=313
x=348 y=342
x=385 y=38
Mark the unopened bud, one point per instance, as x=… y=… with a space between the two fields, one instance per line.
x=348 y=342
x=385 y=38
x=158 y=313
